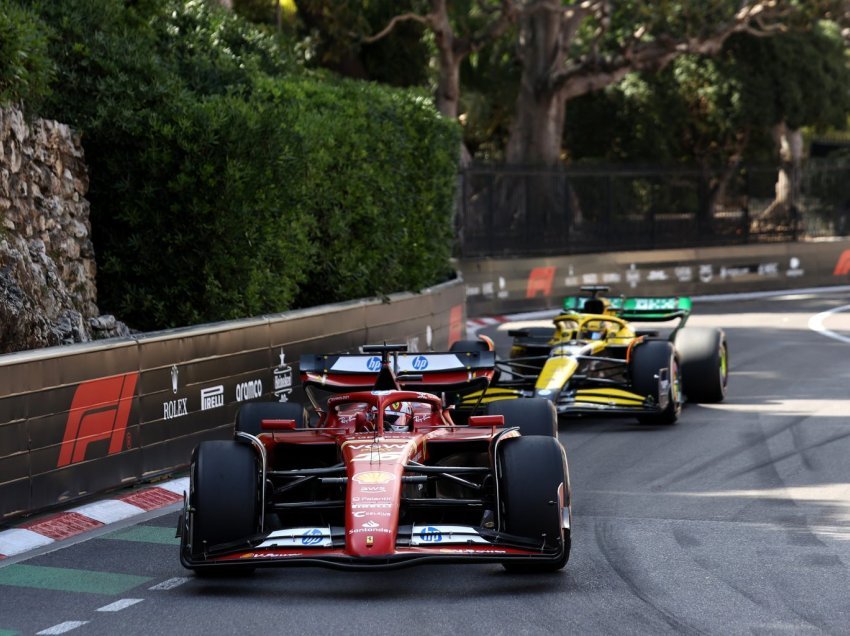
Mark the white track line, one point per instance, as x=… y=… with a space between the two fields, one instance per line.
x=770 y=294
x=61 y=628
x=170 y=584
x=117 y=606
x=816 y=324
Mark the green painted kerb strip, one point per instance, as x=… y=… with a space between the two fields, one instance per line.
x=6 y=632
x=68 y=580
x=145 y=534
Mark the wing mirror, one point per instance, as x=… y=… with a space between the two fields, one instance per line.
x=277 y=425
x=487 y=420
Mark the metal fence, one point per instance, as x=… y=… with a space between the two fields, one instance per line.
x=508 y=211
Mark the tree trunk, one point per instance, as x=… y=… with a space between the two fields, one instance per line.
x=783 y=212
x=448 y=86
x=536 y=132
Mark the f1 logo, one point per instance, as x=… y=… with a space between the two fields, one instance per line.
x=100 y=410
x=842 y=267
x=540 y=281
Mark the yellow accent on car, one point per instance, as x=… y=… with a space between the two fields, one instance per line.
x=609 y=396
x=555 y=373
x=493 y=394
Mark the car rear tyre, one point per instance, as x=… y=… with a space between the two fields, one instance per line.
x=534 y=493
x=225 y=494
x=533 y=416
x=251 y=415
x=467 y=346
x=704 y=357
x=533 y=344
x=473 y=346
x=649 y=361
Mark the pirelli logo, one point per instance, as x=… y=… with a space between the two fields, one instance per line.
x=212 y=397
x=99 y=411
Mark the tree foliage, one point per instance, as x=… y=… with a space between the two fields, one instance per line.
x=334 y=31
x=380 y=179
x=546 y=53
x=710 y=108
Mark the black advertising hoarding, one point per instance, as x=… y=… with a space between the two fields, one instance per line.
x=499 y=286
x=186 y=403
x=84 y=419
x=67 y=424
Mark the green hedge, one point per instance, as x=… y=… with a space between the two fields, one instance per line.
x=25 y=67
x=380 y=169
x=226 y=182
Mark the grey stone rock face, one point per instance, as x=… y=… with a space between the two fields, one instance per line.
x=48 y=293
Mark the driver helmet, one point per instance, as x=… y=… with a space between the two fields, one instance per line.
x=398 y=417
x=596 y=332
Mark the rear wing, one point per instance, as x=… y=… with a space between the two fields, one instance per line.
x=655 y=308
x=427 y=372
x=639 y=308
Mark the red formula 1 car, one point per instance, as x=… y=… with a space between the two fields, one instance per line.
x=389 y=473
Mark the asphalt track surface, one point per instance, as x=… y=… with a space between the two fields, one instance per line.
x=736 y=520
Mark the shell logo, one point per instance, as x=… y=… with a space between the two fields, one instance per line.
x=374 y=477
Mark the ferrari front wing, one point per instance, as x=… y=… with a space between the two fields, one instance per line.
x=415 y=545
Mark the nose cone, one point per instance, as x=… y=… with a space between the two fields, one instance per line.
x=555 y=373
x=375 y=468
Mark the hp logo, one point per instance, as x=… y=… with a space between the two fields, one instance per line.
x=374 y=363
x=312 y=537
x=431 y=534
x=420 y=363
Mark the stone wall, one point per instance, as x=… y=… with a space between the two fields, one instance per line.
x=48 y=294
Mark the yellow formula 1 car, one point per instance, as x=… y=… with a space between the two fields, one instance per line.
x=594 y=361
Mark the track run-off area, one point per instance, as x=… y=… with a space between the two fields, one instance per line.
x=735 y=520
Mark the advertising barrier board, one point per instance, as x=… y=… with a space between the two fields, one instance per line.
x=499 y=286
x=83 y=419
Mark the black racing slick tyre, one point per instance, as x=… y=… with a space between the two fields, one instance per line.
x=704 y=358
x=533 y=345
x=474 y=346
x=534 y=491
x=535 y=336
x=467 y=346
x=650 y=362
x=224 y=494
x=533 y=416
x=251 y=415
